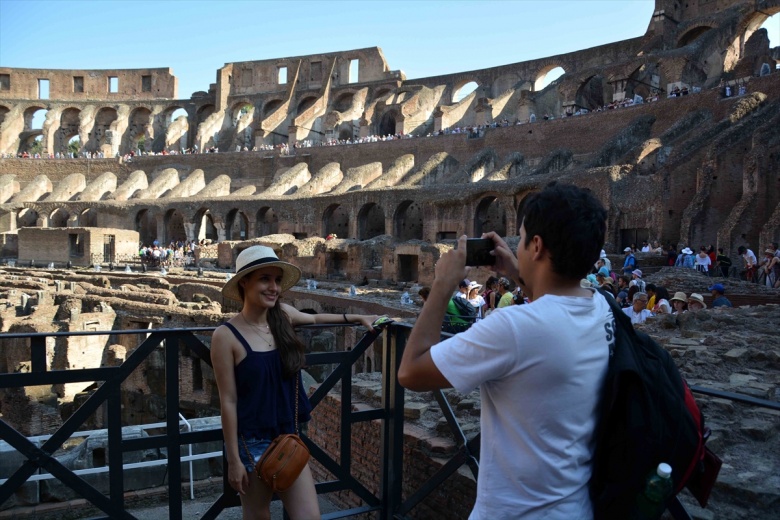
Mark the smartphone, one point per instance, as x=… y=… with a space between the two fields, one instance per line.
x=478 y=252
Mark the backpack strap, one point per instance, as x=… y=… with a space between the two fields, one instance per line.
x=240 y=338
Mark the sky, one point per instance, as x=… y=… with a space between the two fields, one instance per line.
x=195 y=38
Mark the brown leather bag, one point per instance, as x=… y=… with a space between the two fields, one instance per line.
x=282 y=462
x=284 y=459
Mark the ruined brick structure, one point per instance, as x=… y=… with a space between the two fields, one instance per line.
x=691 y=170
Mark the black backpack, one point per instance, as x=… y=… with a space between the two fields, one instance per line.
x=647 y=415
x=465 y=318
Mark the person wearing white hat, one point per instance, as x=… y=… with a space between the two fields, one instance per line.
x=257 y=360
x=475 y=298
x=696 y=302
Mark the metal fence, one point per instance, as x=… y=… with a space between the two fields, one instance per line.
x=388 y=503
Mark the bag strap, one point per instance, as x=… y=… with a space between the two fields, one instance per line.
x=298 y=382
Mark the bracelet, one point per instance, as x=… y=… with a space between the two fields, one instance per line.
x=345 y=318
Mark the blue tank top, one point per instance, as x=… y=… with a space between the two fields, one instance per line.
x=265 y=405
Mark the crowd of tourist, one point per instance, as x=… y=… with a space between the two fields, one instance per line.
x=472 y=131
x=175 y=254
x=638 y=299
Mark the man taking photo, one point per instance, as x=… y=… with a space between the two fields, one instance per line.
x=539 y=367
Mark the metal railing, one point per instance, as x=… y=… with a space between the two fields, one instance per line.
x=388 y=503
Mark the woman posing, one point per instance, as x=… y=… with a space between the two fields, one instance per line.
x=257 y=360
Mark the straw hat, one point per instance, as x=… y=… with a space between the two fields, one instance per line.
x=680 y=297
x=696 y=297
x=258 y=257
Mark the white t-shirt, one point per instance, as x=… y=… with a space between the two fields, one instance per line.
x=704 y=261
x=750 y=258
x=645 y=249
x=539 y=368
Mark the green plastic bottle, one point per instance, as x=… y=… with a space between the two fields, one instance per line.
x=651 y=503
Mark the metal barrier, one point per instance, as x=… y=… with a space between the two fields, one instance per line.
x=388 y=504
x=170 y=340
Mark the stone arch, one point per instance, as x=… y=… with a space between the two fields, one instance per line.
x=408 y=221
x=462 y=89
x=172 y=113
x=371 y=221
x=382 y=92
x=345 y=133
x=692 y=34
x=305 y=103
x=344 y=101
x=386 y=123
x=547 y=74
x=490 y=216
x=271 y=106
x=173 y=226
x=236 y=225
x=203 y=112
x=590 y=93
x=3 y=111
x=101 y=131
x=27 y=217
x=59 y=218
x=204 y=226
x=139 y=127
x=503 y=83
x=31 y=117
x=335 y=220
x=69 y=128
x=88 y=218
x=147 y=226
x=267 y=222
x=745 y=29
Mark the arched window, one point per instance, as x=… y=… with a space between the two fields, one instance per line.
x=464 y=91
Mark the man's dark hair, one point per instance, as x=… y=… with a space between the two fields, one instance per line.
x=650 y=287
x=572 y=224
x=741 y=250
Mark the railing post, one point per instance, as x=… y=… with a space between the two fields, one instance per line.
x=38 y=354
x=171 y=346
x=393 y=425
x=116 y=477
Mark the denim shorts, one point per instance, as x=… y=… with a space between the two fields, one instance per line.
x=256 y=448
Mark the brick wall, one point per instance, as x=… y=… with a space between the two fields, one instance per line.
x=424 y=454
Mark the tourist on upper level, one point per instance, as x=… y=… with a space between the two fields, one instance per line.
x=686 y=259
x=506 y=295
x=629 y=264
x=703 y=261
x=645 y=247
x=723 y=263
x=750 y=261
x=257 y=361
x=540 y=367
x=770 y=268
x=671 y=255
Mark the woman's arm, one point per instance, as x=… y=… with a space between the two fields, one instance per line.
x=301 y=318
x=223 y=362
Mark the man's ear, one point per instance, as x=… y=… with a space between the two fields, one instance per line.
x=537 y=247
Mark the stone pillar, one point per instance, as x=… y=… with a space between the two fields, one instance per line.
x=482 y=112
x=526 y=106
x=438 y=119
x=619 y=89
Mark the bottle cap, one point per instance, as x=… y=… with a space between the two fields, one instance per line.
x=664 y=470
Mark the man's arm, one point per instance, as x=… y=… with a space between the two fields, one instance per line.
x=418 y=372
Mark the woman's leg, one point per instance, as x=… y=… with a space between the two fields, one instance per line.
x=300 y=500
x=256 y=503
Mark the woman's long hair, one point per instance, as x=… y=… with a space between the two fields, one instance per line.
x=291 y=349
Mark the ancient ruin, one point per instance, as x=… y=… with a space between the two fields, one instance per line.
x=677 y=131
